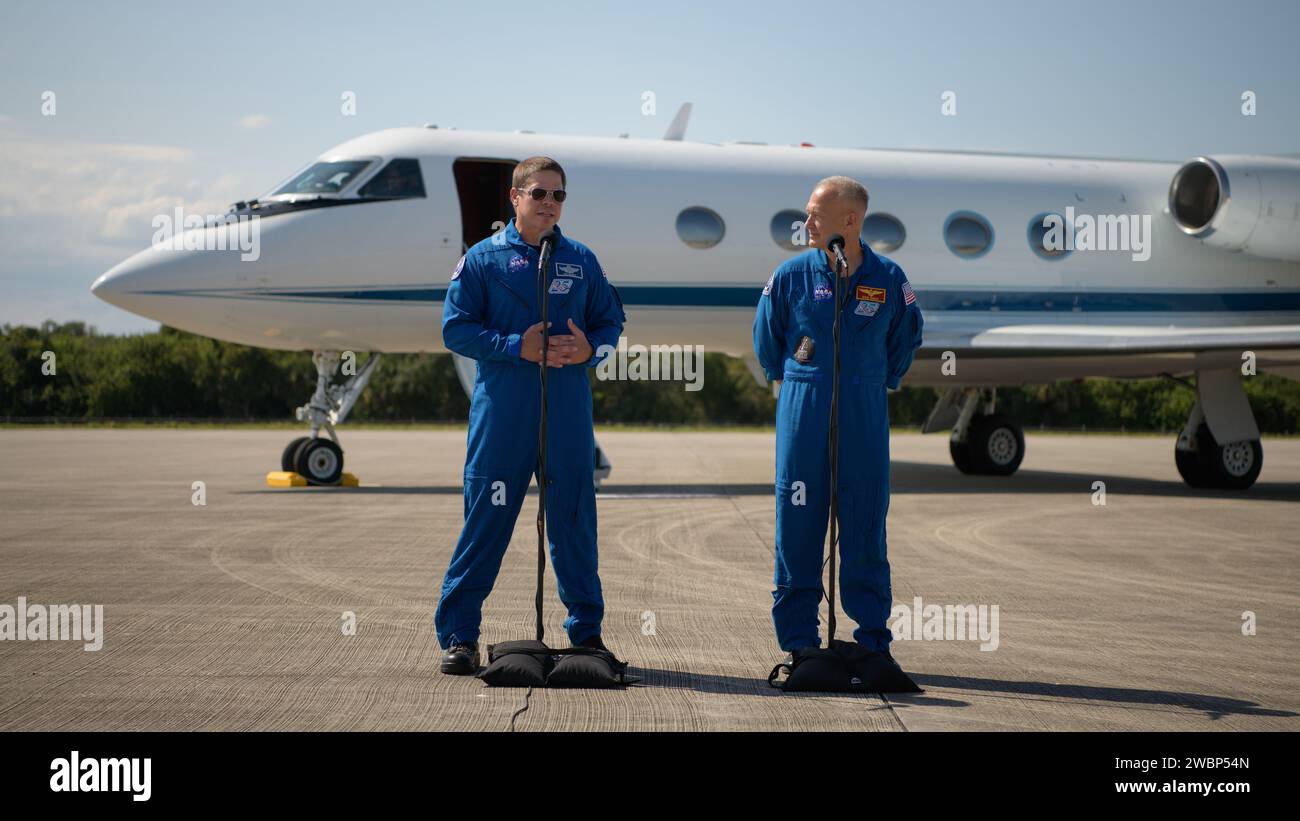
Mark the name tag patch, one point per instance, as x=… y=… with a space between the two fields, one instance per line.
x=866 y=308
x=561 y=286
x=568 y=269
x=867 y=293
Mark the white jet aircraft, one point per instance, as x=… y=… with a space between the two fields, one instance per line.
x=1028 y=268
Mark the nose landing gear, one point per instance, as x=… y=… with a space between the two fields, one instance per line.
x=316 y=459
x=319 y=461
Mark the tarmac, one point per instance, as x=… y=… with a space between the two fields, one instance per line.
x=1165 y=608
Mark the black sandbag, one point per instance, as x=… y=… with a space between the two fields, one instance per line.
x=844 y=667
x=590 y=669
x=517 y=664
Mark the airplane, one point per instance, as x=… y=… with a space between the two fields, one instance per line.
x=357 y=249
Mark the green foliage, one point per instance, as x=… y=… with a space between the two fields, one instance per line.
x=173 y=374
x=729 y=396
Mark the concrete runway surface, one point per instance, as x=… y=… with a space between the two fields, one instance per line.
x=1126 y=616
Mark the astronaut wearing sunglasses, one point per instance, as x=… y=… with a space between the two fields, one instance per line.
x=491 y=314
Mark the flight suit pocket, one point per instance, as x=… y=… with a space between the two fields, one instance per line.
x=811 y=315
x=867 y=331
x=864 y=313
x=565 y=300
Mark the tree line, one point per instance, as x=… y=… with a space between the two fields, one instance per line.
x=70 y=371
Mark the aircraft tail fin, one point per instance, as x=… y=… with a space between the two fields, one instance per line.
x=677 y=130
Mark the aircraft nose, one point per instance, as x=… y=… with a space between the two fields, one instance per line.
x=122 y=284
x=152 y=281
x=108 y=285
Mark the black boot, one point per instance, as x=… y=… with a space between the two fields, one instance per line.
x=461 y=659
x=793 y=656
x=593 y=643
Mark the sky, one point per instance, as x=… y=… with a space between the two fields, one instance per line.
x=158 y=105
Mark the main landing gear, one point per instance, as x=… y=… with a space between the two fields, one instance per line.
x=982 y=442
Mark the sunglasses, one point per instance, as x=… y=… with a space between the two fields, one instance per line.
x=539 y=194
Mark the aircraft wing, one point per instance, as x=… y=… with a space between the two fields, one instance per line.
x=1039 y=340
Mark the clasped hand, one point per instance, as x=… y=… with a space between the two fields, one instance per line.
x=564 y=349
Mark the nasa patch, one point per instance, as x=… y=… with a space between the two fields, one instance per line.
x=822 y=292
x=561 y=286
x=867 y=308
x=568 y=269
x=459 y=265
x=517 y=263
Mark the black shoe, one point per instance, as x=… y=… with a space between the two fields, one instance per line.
x=593 y=643
x=793 y=656
x=461 y=659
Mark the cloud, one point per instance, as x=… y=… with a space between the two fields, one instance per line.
x=81 y=194
x=71 y=209
x=254 y=121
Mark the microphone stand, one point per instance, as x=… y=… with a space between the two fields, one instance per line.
x=835 y=445
x=542 y=286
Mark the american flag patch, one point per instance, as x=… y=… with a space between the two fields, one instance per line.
x=908 y=296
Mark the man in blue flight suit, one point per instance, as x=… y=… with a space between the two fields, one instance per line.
x=880 y=330
x=491 y=314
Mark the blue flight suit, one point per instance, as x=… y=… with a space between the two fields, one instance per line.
x=491 y=301
x=880 y=330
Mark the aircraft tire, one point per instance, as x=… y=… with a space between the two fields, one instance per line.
x=319 y=461
x=960 y=453
x=1234 y=466
x=997 y=445
x=290 y=453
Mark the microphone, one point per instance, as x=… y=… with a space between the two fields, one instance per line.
x=548 y=244
x=836 y=246
x=543 y=282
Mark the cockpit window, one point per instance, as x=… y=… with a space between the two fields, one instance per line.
x=400 y=179
x=323 y=178
x=320 y=186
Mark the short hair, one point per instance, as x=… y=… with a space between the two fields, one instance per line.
x=848 y=188
x=526 y=169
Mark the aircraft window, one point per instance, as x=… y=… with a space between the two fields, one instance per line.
x=400 y=179
x=1038 y=236
x=883 y=232
x=788 y=230
x=968 y=234
x=700 y=227
x=324 y=178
